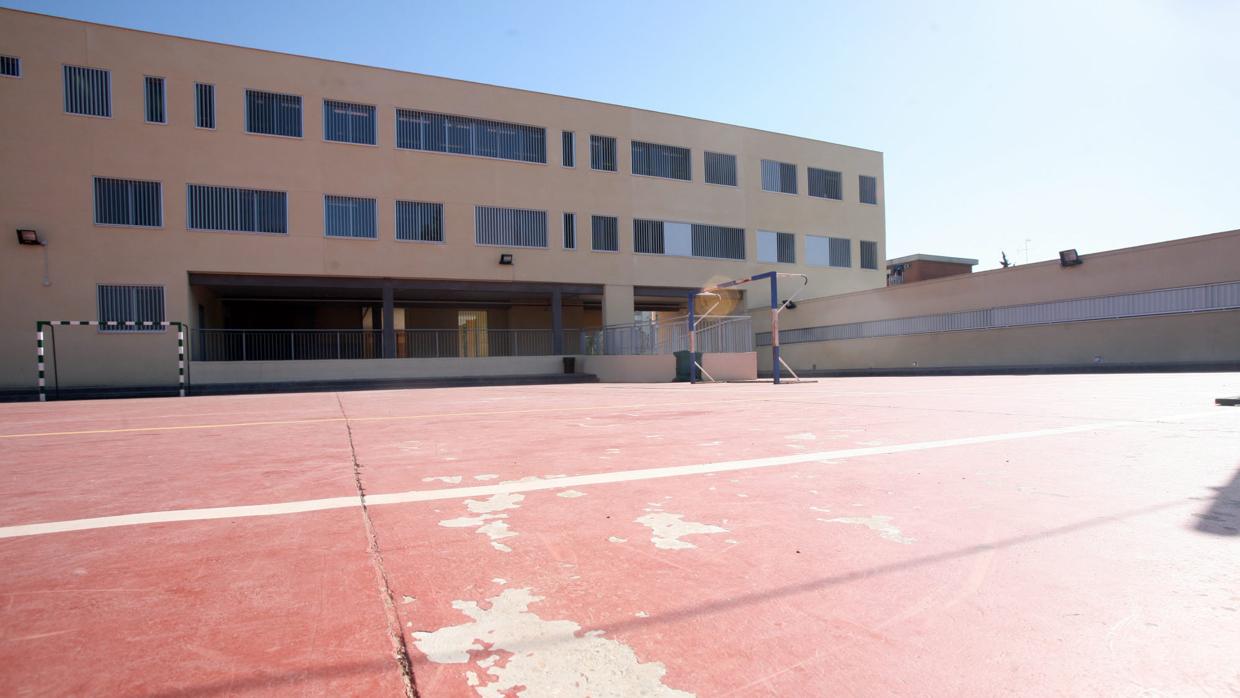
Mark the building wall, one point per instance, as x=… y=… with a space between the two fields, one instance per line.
x=1208 y=337
x=52 y=157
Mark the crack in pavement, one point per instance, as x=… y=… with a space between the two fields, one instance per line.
x=400 y=651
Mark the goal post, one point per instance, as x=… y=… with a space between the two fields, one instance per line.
x=40 y=344
x=777 y=306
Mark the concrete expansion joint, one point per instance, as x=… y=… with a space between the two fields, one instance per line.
x=400 y=651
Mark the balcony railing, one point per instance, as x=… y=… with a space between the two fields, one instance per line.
x=724 y=334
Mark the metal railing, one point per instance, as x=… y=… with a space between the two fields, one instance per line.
x=720 y=334
x=286 y=345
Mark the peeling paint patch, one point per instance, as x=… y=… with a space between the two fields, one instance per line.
x=879 y=524
x=710 y=443
x=487 y=476
x=496 y=502
x=642 y=614
x=666 y=530
x=450 y=479
x=500 y=580
x=820 y=510
x=570 y=494
x=488 y=523
x=406 y=599
x=549 y=657
x=616 y=539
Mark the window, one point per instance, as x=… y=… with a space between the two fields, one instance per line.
x=272 y=114
x=868 y=188
x=130 y=304
x=655 y=160
x=779 y=176
x=776 y=247
x=828 y=252
x=204 y=105
x=720 y=168
x=419 y=222
x=688 y=239
x=869 y=254
x=603 y=153
x=604 y=234
x=10 y=66
x=237 y=210
x=568 y=142
x=443 y=133
x=127 y=202
x=88 y=91
x=510 y=227
x=348 y=123
x=156 y=107
x=825 y=184
x=570 y=231
x=349 y=217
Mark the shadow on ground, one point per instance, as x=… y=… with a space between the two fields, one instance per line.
x=1223 y=516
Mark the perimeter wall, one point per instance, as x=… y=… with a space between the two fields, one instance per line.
x=1170 y=305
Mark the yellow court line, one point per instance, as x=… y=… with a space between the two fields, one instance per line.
x=619 y=408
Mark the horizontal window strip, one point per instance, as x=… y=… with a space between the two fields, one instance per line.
x=868 y=189
x=349 y=217
x=720 y=168
x=825 y=184
x=204 y=105
x=869 y=254
x=463 y=135
x=272 y=114
x=510 y=227
x=688 y=239
x=570 y=231
x=346 y=122
x=779 y=177
x=156 y=106
x=11 y=66
x=667 y=161
x=130 y=308
x=568 y=142
x=776 y=247
x=603 y=153
x=1171 y=301
x=128 y=202
x=88 y=91
x=419 y=222
x=237 y=210
x=604 y=233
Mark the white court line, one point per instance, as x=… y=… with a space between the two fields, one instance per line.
x=302 y=506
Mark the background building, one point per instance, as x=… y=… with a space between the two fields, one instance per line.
x=923 y=267
x=416 y=217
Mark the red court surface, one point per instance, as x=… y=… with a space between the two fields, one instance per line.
x=953 y=536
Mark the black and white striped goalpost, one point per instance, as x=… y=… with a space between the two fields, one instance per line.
x=38 y=331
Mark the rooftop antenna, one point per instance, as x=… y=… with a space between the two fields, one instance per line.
x=1027 y=241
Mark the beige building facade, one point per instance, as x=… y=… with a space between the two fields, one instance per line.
x=237 y=189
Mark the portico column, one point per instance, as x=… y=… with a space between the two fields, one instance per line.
x=557 y=322
x=389 y=321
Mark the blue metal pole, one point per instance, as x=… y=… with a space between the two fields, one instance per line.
x=774 y=328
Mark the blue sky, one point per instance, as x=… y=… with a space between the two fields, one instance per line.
x=1092 y=125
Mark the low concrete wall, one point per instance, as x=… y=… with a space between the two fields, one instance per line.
x=609 y=369
x=661 y=368
x=225 y=372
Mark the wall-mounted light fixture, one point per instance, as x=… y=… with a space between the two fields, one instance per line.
x=505 y=259
x=28 y=237
x=1069 y=258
